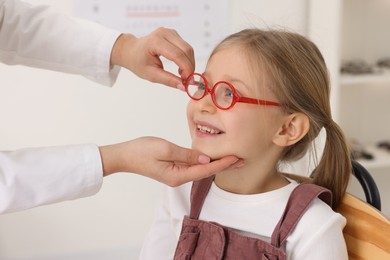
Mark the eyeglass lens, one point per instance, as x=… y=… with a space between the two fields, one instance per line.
x=222 y=93
x=196 y=87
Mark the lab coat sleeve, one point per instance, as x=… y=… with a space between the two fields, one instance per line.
x=38 y=36
x=37 y=176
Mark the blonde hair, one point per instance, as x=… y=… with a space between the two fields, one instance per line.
x=297 y=74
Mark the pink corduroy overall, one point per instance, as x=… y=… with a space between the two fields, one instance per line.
x=202 y=240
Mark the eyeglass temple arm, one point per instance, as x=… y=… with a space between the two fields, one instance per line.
x=258 y=101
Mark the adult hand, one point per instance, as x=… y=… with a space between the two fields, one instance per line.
x=142 y=56
x=161 y=160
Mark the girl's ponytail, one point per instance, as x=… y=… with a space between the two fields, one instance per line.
x=335 y=166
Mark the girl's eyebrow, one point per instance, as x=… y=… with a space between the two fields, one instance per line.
x=228 y=79
x=242 y=83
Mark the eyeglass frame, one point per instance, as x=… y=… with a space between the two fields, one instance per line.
x=236 y=97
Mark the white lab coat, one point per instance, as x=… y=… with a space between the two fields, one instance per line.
x=40 y=37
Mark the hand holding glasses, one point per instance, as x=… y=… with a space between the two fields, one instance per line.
x=223 y=94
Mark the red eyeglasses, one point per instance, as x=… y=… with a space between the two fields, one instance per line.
x=223 y=94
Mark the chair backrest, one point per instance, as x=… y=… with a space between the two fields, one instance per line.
x=367 y=233
x=368 y=184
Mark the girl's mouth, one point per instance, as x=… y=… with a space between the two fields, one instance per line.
x=208 y=130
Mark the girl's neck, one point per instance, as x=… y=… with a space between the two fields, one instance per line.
x=250 y=179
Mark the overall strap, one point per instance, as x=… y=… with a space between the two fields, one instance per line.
x=199 y=192
x=299 y=201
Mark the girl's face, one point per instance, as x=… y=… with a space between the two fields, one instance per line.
x=246 y=130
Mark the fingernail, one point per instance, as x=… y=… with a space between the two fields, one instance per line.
x=181 y=87
x=203 y=159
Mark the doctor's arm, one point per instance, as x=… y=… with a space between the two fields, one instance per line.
x=38 y=176
x=160 y=160
x=39 y=36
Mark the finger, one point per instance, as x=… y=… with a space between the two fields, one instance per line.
x=187 y=49
x=184 y=155
x=197 y=172
x=172 y=52
x=217 y=165
x=165 y=77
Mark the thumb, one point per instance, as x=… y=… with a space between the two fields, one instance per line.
x=187 y=156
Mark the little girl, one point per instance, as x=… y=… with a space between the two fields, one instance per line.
x=263 y=97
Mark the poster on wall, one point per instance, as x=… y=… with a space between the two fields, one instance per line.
x=202 y=23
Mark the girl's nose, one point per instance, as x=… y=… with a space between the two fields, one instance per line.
x=206 y=104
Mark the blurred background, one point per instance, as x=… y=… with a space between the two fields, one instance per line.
x=43 y=108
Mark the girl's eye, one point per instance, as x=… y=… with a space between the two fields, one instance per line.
x=228 y=92
x=224 y=91
x=201 y=86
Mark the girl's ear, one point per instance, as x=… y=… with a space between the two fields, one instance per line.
x=294 y=128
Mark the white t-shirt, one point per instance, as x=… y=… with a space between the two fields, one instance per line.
x=318 y=235
x=38 y=36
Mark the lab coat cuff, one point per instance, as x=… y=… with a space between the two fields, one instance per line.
x=105 y=73
x=94 y=170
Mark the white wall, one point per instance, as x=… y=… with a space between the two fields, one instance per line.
x=42 y=108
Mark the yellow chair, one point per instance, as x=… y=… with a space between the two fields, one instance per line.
x=367 y=233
